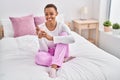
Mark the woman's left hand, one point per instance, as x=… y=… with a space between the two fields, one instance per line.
x=47 y=36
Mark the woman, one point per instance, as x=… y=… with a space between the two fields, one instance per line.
x=54 y=38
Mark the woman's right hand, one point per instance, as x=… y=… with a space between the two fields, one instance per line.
x=38 y=32
x=41 y=34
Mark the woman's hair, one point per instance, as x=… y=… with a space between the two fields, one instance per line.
x=51 y=5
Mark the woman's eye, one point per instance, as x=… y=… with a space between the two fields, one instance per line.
x=51 y=14
x=46 y=14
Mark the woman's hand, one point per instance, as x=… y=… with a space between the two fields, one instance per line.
x=45 y=35
x=39 y=32
x=49 y=37
x=42 y=33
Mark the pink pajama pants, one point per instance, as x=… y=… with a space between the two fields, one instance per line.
x=54 y=55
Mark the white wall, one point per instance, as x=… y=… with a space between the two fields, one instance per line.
x=96 y=8
x=102 y=13
x=70 y=8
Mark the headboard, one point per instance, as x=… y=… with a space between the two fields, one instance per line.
x=1 y=32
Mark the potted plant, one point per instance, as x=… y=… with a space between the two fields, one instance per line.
x=107 y=24
x=116 y=28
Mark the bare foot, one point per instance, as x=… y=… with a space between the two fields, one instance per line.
x=52 y=73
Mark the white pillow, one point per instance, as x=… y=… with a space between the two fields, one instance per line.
x=8 y=29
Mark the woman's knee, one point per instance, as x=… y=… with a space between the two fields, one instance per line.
x=43 y=58
x=63 y=34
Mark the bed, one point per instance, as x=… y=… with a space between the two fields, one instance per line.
x=17 y=58
x=91 y=62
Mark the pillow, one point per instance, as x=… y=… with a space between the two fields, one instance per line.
x=39 y=20
x=7 y=27
x=23 y=25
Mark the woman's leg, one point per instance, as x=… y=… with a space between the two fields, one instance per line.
x=43 y=58
x=61 y=51
x=43 y=45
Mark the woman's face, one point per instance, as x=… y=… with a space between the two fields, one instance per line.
x=50 y=14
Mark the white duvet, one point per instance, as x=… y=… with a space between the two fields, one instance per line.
x=91 y=63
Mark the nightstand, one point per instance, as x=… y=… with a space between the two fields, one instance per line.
x=1 y=32
x=89 y=25
x=68 y=24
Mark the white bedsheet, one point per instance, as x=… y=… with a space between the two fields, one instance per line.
x=91 y=63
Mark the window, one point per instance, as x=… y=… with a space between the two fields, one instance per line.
x=114 y=11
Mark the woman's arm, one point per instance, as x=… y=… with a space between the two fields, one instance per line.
x=47 y=36
x=37 y=29
x=64 y=39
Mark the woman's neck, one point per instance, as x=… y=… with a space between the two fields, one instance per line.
x=51 y=26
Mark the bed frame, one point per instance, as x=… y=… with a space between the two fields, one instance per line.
x=1 y=32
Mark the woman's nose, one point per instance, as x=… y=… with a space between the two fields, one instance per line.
x=48 y=16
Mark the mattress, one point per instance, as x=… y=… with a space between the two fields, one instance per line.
x=91 y=63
